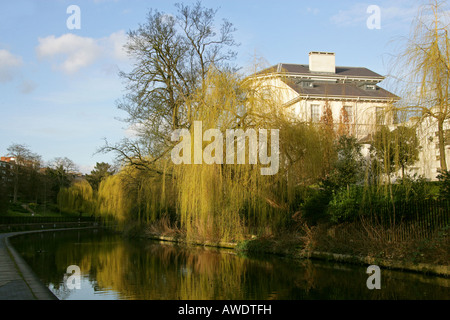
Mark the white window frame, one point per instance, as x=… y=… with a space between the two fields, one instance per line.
x=350 y=114
x=314 y=114
x=380 y=116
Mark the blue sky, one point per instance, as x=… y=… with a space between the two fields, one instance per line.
x=58 y=87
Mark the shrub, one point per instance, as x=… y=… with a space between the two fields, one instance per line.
x=16 y=207
x=412 y=188
x=345 y=204
x=444 y=184
x=314 y=210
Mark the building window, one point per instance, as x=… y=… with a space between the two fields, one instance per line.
x=379 y=115
x=349 y=112
x=446 y=138
x=315 y=113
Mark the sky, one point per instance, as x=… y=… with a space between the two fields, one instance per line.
x=59 y=85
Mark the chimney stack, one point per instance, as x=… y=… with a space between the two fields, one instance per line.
x=322 y=62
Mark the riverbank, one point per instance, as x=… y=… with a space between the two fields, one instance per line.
x=293 y=249
x=17 y=280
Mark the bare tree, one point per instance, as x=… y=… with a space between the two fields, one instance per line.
x=63 y=169
x=172 y=56
x=23 y=159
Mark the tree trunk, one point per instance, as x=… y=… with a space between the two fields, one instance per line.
x=441 y=135
x=16 y=183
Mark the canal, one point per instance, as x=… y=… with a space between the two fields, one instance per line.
x=114 y=268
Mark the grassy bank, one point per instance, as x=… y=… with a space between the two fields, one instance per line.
x=358 y=242
x=37 y=210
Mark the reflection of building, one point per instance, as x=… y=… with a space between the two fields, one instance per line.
x=351 y=93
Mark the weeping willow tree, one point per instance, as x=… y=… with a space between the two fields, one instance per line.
x=78 y=198
x=113 y=200
x=234 y=170
x=136 y=195
x=243 y=160
x=393 y=151
x=218 y=192
x=181 y=78
x=225 y=195
x=152 y=195
x=423 y=70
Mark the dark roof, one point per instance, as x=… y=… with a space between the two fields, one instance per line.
x=303 y=69
x=341 y=89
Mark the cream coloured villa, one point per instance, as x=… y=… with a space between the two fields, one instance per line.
x=352 y=93
x=355 y=99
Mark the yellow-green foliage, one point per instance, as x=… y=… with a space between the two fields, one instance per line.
x=134 y=194
x=221 y=201
x=112 y=198
x=228 y=201
x=78 y=198
x=152 y=196
x=211 y=197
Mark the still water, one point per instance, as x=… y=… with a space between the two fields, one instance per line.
x=121 y=269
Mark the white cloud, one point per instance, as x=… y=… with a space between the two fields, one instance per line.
x=116 y=42
x=9 y=64
x=77 y=52
x=70 y=52
x=351 y=16
x=314 y=11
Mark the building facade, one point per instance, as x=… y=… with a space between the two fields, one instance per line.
x=6 y=173
x=429 y=163
x=356 y=102
x=351 y=93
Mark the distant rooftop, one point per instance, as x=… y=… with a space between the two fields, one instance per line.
x=341 y=90
x=322 y=78
x=303 y=69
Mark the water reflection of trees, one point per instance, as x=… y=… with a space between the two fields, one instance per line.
x=149 y=270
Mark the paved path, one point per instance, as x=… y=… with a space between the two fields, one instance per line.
x=17 y=280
